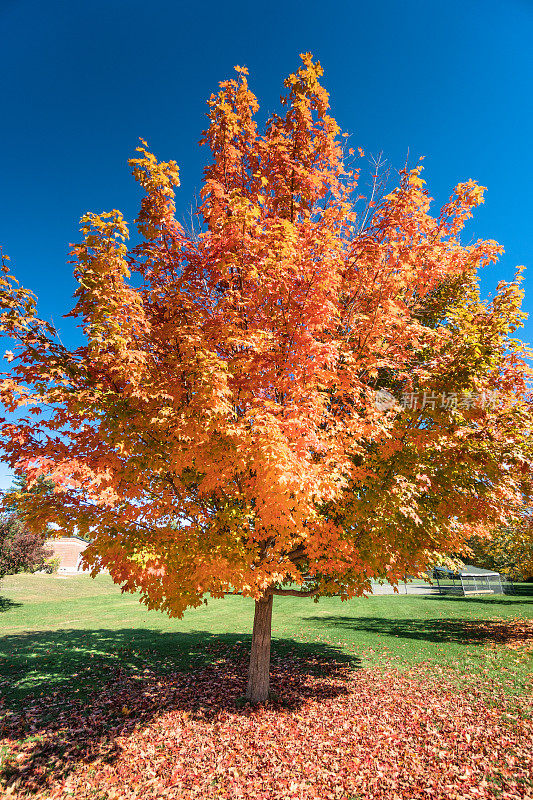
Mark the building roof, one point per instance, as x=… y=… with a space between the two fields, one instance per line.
x=69 y=536
x=470 y=569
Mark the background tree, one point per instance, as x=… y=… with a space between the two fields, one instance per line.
x=509 y=550
x=15 y=497
x=22 y=494
x=224 y=428
x=21 y=550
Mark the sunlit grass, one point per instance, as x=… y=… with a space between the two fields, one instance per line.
x=68 y=633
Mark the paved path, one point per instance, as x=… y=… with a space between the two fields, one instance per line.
x=403 y=588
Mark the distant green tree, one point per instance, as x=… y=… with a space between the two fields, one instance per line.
x=16 y=499
x=509 y=551
x=19 y=488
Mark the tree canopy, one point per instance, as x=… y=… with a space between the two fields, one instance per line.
x=306 y=390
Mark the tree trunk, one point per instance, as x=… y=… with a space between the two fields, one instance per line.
x=259 y=672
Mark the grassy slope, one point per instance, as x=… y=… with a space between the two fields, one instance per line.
x=58 y=633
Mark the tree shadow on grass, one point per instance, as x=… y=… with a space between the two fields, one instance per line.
x=68 y=694
x=462 y=631
x=6 y=603
x=522 y=590
x=491 y=600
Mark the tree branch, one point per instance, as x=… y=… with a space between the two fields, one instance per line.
x=293 y=592
x=296 y=555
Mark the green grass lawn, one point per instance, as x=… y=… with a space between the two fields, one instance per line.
x=66 y=634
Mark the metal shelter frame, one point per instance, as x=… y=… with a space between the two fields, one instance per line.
x=470 y=580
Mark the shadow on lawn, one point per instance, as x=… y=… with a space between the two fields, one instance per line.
x=461 y=631
x=518 y=596
x=6 y=604
x=71 y=693
x=523 y=590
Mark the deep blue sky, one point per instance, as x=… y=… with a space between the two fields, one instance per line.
x=81 y=81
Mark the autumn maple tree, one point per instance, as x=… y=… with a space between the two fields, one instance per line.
x=224 y=428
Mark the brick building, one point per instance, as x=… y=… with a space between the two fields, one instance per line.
x=69 y=550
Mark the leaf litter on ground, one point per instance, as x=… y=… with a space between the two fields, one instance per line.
x=329 y=733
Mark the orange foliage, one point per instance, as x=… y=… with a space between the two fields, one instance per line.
x=220 y=431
